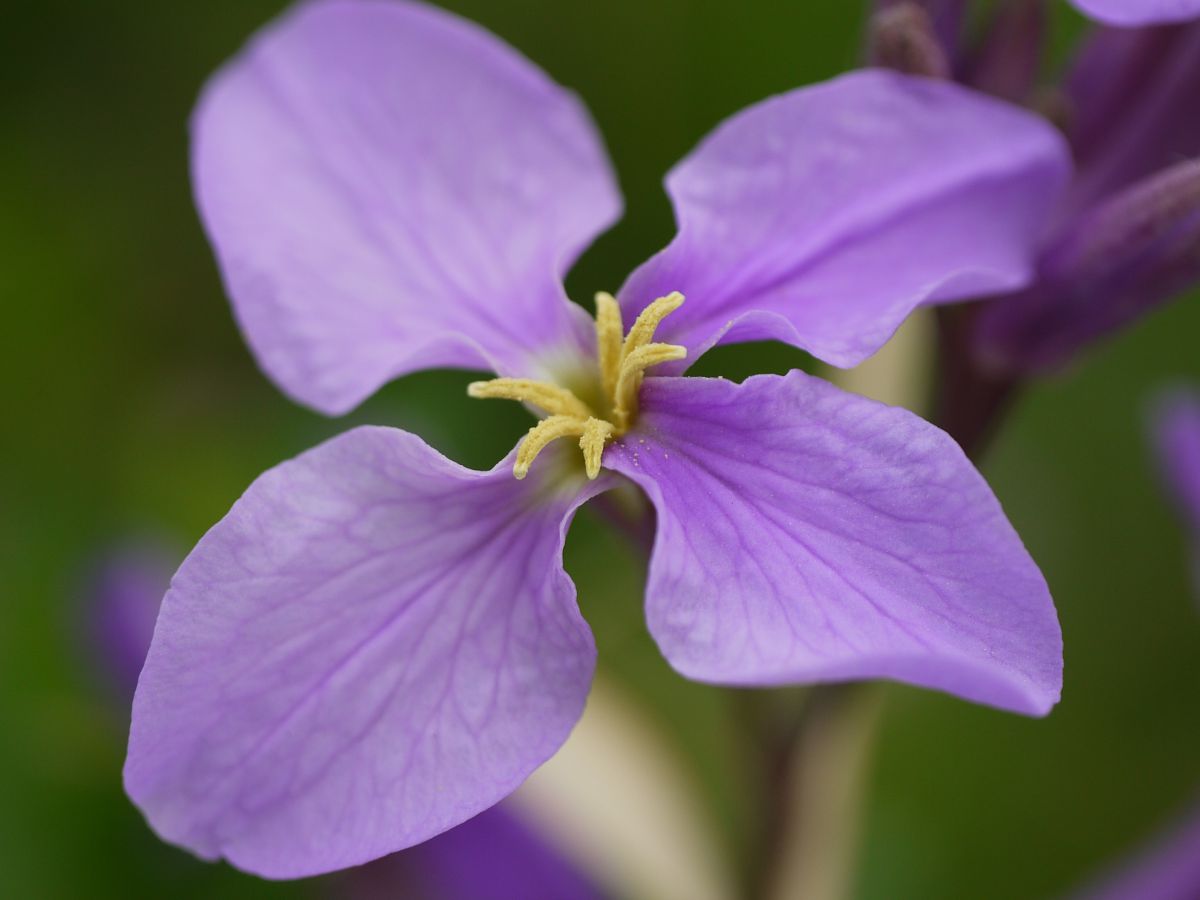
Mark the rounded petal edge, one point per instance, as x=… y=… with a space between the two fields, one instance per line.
x=374 y=645
x=388 y=187
x=806 y=535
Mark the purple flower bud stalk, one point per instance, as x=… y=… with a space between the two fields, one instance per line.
x=1008 y=59
x=1122 y=240
x=902 y=37
x=946 y=17
x=1125 y=256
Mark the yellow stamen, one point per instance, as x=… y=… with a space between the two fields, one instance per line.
x=649 y=319
x=622 y=367
x=549 y=398
x=633 y=366
x=541 y=434
x=595 y=433
x=608 y=340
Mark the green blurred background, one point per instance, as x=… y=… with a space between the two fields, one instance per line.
x=138 y=411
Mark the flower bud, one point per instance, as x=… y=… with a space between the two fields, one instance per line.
x=1110 y=265
x=901 y=37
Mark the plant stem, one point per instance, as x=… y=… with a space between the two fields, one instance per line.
x=814 y=770
x=971 y=401
x=771 y=721
x=815 y=775
x=631 y=515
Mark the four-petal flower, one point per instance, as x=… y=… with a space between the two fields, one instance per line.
x=375 y=643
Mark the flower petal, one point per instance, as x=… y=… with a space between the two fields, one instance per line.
x=125 y=593
x=374 y=645
x=1178 y=438
x=389 y=187
x=1120 y=260
x=1139 y=12
x=1132 y=96
x=1167 y=868
x=806 y=534
x=822 y=217
x=495 y=856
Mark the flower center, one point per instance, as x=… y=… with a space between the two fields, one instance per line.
x=623 y=362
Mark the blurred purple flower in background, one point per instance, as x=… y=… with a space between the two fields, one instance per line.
x=376 y=644
x=1177 y=436
x=508 y=860
x=123 y=596
x=1166 y=869
x=1126 y=235
x=1139 y=12
x=1169 y=867
x=494 y=856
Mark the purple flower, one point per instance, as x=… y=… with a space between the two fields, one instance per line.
x=494 y=856
x=1139 y=12
x=375 y=643
x=1177 y=435
x=1109 y=265
x=509 y=860
x=1127 y=235
x=123 y=597
x=1167 y=869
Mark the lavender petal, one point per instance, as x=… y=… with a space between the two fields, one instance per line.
x=1127 y=13
x=824 y=216
x=1131 y=98
x=374 y=645
x=1120 y=260
x=390 y=188
x=494 y=856
x=809 y=535
x=1166 y=869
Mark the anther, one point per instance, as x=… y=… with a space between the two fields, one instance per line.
x=549 y=398
x=541 y=434
x=595 y=433
x=649 y=319
x=609 y=334
x=622 y=365
x=629 y=380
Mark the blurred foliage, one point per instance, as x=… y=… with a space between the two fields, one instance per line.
x=137 y=409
